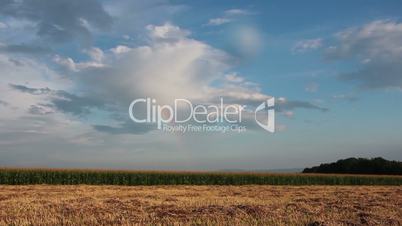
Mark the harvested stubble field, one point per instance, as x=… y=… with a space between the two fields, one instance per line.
x=200 y=205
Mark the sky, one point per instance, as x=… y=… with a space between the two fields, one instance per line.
x=69 y=70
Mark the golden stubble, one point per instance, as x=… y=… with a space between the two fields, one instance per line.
x=200 y=205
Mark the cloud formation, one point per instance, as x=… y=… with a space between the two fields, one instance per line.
x=228 y=16
x=218 y=21
x=60 y=20
x=172 y=65
x=61 y=100
x=23 y=49
x=167 y=32
x=377 y=46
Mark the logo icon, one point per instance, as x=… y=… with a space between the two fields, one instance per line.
x=269 y=107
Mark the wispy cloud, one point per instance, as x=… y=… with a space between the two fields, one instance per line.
x=60 y=100
x=23 y=49
x=377 y=45
x=229 y=16
x=218 y=21
x=307 y=45
x=284 y=105
x=238 y=12
x=167 y=32
x=72 y=19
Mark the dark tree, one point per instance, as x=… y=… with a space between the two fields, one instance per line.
x=359 y=166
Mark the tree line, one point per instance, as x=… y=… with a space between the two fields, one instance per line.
x=359 y=166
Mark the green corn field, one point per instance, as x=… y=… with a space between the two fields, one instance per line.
x=105 y=177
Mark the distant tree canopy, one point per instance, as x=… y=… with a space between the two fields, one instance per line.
x=359 y=166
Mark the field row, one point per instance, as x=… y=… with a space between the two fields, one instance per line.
x=103 y=177
x=200 y=205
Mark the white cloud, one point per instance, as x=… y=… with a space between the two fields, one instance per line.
x=171 y=60
x=378 y=39
x=306 y=45
x=96 y=54
x=228 y=16
x=25 y=70
x=218 y=21
x=133 y=16
x=238 y=12
x=70 y=64
x=171 y=66
x=165 y=69
x=23 y=113
x=234 y=77
x=167 y=32
x=120 y=49
x=378 y=46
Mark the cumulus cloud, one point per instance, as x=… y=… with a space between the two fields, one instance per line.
x=170 y=60
x=234 y=77
x=96 y=54
x=167 y=32
x=377 y=46
x=172 y=65
x=120 y=49
x=69 y=64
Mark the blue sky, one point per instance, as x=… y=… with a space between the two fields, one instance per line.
x=69 y=70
